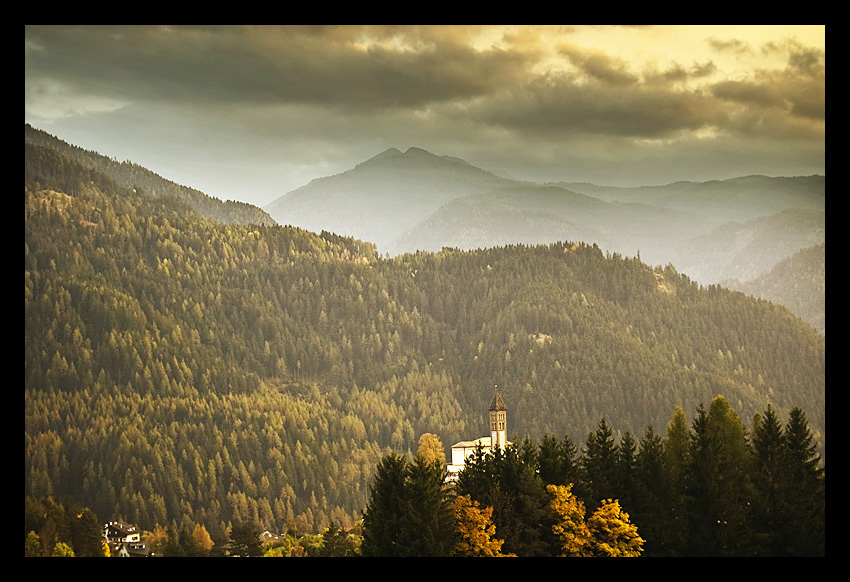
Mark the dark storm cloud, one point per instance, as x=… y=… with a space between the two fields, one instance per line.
x=274 y=65
x=563 y=107
x=253 y=112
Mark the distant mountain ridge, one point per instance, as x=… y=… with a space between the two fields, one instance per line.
x=384 y=196
x=531 y=214
x=713 y=231
x=736 y=199
x=798 y=282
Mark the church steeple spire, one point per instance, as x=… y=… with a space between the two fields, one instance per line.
x=498 y=422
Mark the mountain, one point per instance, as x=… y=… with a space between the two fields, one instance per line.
x=798 y=282
x=721 y=201
x=747 y=250
x=531 y=214
x=382 y=197
x=181 y=370
x=715 y=230
x=130 y=175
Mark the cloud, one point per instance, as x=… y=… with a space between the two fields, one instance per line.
x=297 y=100
x=349 y=67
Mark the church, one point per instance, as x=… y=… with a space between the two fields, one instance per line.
x=498 y=438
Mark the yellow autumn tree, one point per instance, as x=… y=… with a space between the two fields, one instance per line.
x=203 y=538
x=474 y=529
x=613 y=534
x=431 y=448
x=568 y=521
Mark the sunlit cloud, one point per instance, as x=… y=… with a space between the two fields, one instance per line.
x=493 y=94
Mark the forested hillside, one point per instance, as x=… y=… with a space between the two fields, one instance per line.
x=183 y=370
x=146 y=182
x=799 y=282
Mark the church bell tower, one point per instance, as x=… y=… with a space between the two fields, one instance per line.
x=498 y=423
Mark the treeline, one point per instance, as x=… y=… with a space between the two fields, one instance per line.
x=180 y=371
x=711 y=489
x=61 y=531
x=54 y=530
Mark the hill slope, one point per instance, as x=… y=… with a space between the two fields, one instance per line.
x=712 y=231
x=529 y=214
x=748 y=250
x=130 y=175
x=799 y=282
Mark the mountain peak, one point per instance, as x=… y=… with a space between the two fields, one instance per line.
x=390 y=153
x=414 y=151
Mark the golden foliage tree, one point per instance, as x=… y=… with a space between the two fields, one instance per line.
x=202 y=536
x=431 y=448
x=569 y=525
x=614 y=536
x=475 y=529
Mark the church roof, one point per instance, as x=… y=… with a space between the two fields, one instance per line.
x=483 y=441
x=498 y=403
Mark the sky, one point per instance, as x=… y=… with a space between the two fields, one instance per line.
x=252 y=112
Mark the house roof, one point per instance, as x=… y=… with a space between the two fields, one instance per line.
x=121 y=527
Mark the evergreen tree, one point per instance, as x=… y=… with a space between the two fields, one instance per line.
x=336 y=543
x=385 y=521
x=721 y=491
x=806 y=497
x=557 y=461
x=245 y=541
x=599 y=463
x=625 y=483
x=409 y=512
x=85 y=532
x=770 y=479
x=677 y=463
x=430 y=515
x=651 y=507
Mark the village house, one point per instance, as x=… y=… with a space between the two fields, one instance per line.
x=124 y=540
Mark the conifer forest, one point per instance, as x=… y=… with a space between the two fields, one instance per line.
x=192 y=366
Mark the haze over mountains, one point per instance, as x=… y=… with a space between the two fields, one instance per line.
x=717 y=231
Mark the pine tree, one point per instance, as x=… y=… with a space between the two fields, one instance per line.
x=430 y=516
x=386 y=517
x=651 y=508
x=245 y=541
x=409 y=512
x=599 y=462
x=806 y=498
x=557 y=461
x=720 y=491
x=770 y=448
